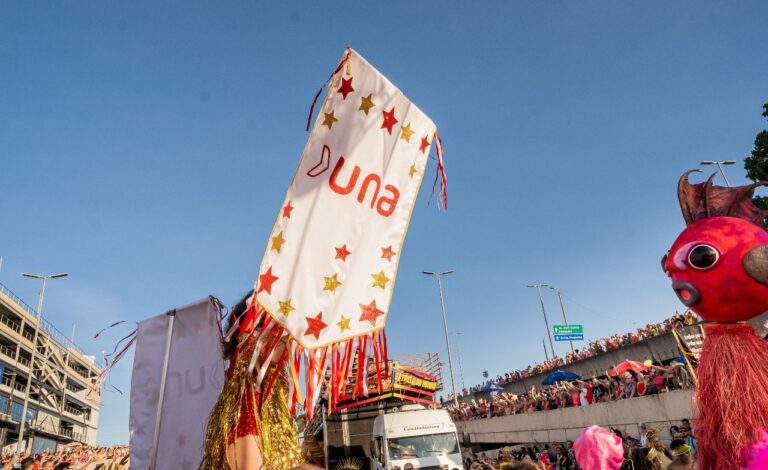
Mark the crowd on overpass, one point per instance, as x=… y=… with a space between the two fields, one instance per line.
x=654 y=379
x=595 y=347
x=644 y=452
x=73 y=457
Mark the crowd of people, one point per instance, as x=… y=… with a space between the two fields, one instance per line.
x=595 y=347
x=75 y=458
x=647 y=452
x=565 y=394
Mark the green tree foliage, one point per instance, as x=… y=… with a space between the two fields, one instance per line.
x=757 y=163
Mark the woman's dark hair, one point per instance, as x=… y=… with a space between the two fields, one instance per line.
x=676 y=443
x=228 y=347
x=639 y=457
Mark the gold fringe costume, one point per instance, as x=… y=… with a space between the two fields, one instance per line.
x=276 y=433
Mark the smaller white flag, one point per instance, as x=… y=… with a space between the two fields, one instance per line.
x=195 y=376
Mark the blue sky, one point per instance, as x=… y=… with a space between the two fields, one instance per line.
x=145 y=148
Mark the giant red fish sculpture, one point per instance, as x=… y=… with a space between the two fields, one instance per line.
x=719 y=269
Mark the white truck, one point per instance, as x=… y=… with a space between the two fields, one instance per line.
x=413 y=437
x=399 y=426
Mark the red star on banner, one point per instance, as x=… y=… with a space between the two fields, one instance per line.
x=287 y=210
x=266 y=280
x=424 y=144
x=315 y=325
x=342 y=252
x=387 y=253
x=370 y=312
x=346 y=87
x=389 y=120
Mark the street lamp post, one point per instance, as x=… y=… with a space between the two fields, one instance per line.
x=458 y=355
x=562 y=307
x=720 y=167
x=445 y=327
x=28 y=388
x=544 y=312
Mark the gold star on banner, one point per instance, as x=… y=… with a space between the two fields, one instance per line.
x=285 y=307
x=412 y=171
x=343 y=324
x=380 y=280
x=329 y=119
x=277 y=242
x=406 y=132
x=366 y=103
x=331 y=283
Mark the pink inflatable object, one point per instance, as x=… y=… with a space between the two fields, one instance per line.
x=598 y=449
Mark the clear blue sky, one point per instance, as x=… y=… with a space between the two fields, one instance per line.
x=145 y=148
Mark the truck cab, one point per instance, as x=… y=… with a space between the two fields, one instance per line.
x=414 y=437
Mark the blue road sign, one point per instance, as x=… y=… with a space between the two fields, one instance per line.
x=569 y=337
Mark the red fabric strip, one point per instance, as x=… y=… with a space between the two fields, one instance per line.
x=384 y=349
x=271 y=380
x=314 y=101
x=377 y=359
x=440 y=173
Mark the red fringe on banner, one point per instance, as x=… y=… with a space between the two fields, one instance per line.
x=328 y=369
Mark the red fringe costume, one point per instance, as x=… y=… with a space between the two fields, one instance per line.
x=719 y=269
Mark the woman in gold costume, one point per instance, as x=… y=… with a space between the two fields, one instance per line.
x=250 y=427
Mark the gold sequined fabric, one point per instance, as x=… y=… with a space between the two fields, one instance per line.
x=279 y=440
x=277 y=437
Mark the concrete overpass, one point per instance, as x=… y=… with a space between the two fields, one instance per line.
x=657 y=411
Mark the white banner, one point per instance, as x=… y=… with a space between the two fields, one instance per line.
x=194 y=379
x=329 y=269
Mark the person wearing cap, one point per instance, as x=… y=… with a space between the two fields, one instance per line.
x=682 y=458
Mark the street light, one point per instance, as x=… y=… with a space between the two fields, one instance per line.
x=28 y=388
x=458 y=355
x=720 y=167
x=562 y=307
x=439 y=277
x=543 y=311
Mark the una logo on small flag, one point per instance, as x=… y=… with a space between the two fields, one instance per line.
x=329 y=270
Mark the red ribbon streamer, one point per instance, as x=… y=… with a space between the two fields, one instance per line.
x=314 y=101
x=440 y=173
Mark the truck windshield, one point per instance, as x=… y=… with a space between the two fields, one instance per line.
x=414 y=447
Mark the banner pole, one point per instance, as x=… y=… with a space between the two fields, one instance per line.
x=156 y=436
